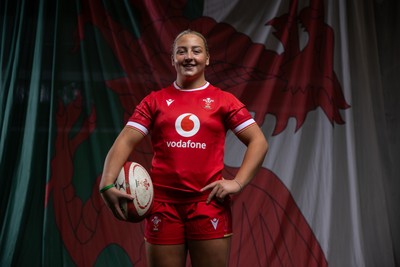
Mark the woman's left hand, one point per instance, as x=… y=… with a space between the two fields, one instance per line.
x=220 y=189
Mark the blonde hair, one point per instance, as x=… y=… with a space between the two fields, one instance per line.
x=189 y=31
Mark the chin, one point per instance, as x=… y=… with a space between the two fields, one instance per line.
x=189 y=74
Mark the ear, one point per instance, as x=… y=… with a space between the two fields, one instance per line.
x=172 y=60
x=208 y=61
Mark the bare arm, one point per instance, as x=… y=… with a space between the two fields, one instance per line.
x=257 y=147
x=116 y=157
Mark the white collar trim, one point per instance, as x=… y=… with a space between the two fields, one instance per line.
x=191 y=90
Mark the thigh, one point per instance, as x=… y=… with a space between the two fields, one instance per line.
x=164 y=226
x=166 y=255
x=209 y=253
x=208 y=221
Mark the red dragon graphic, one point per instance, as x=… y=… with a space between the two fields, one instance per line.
x=289 y=85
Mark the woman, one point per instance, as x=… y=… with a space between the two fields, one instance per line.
x=188 y=121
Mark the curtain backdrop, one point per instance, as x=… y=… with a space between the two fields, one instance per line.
x=320 y=78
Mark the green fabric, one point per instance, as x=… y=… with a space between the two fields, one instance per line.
x=42 y=68
x=21 y=143
x=27 y=99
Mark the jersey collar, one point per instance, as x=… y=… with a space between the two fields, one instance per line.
x=191 y=90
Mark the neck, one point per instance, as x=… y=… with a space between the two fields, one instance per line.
x=190 y=84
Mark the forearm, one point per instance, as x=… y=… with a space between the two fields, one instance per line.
x=257 y=148
x=118 y=155
x=114 y=161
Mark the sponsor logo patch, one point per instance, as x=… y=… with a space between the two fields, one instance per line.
x=187 y=124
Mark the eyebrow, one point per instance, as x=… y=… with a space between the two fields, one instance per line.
x=184 y=47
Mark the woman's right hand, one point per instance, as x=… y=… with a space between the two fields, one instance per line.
x=112 y=198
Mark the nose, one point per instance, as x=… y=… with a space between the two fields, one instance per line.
x=188 y=55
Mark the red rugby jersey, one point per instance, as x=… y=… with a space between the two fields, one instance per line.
x=188 y=129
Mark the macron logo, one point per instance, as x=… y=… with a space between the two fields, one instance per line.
x=215 y=223
x=169 y=101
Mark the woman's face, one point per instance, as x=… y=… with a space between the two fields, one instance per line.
x=190 y=57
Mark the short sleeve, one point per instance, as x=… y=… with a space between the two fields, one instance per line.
x=142 y=117
x=238 y=117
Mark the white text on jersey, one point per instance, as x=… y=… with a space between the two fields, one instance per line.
x=186 y=144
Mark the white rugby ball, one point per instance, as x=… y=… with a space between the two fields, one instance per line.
x=133 y=179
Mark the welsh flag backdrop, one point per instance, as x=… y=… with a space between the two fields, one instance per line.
x=317 y=76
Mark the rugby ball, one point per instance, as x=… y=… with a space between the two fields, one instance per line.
x=133 y=179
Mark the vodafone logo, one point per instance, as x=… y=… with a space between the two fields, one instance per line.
x=187 y=124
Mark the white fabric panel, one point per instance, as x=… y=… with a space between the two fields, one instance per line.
x=334 y=172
